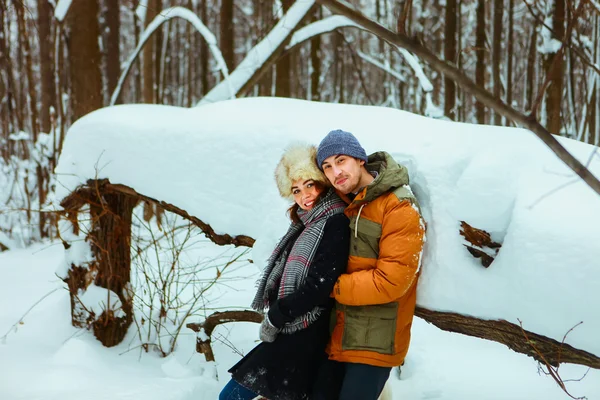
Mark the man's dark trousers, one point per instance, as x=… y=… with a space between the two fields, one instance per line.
x=349 y=381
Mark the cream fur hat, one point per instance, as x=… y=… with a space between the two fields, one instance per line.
x=299 y=161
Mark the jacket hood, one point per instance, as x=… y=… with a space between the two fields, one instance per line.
x=391 y=175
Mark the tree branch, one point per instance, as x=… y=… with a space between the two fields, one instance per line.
x=468 y=85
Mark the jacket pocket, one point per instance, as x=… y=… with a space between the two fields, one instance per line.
x=370 y=328
x=365 y=242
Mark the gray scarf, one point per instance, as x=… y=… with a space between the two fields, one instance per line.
x=288 y=265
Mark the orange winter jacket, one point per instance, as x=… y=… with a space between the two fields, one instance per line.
x=375 y=298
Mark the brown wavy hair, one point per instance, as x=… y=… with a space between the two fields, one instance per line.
x=293 y=210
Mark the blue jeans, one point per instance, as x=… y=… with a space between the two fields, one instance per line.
x=349 y=381
x=235 y=391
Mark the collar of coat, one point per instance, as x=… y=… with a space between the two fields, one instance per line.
x=391 y=175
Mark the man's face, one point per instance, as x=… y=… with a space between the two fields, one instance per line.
x=343 y=172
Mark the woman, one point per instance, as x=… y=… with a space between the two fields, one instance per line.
x=295 y=287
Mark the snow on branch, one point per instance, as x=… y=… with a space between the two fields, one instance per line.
x=320 y=27
x=332 y=23
x=381 y=66
x=259 y=54
x=62 y=7
x=161 y=18
x=141 y=9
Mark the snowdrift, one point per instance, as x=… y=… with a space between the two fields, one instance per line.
x=216 y=162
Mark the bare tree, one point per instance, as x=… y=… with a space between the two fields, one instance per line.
x=284 y=66
x=84 y=58
x=450 y=43
x=481 y=51
x=113 y=36
x=555 y=69
x=150 y=57
x=497 y=55
x=48 y=87
x=227 y=41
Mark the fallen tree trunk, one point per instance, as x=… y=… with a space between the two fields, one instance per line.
x=513 y=336
x=82 y=195
x=205 y=329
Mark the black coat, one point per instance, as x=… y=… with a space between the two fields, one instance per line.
x=286 y=368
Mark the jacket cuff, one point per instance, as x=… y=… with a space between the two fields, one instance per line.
x=275 y=316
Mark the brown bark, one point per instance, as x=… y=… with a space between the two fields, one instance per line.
x=450 y=44
x=84 y=58
x=480 y=63
x=48 y=87
x=159 y=58
x=40 y=174
x=266 y=22
x=591 y=117
x=150 y=57
x=531 y=69
x=283 y=71
x=509 y=55
x=226 y=38
x=6 y=106
x=555 y=69
x=137 y=91
x=459 y=62
x=315 y=60
x=109 y=239
x=60 y=78
x=191 y=66
x=24 y=35
x=83 y=195
x=511 y=335
x=113 y=52
x=592 y=114
x=204 y=53
x=497 y=55
x=216 y=319
x=111 y=236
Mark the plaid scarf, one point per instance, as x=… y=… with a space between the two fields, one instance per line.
x=288 y=265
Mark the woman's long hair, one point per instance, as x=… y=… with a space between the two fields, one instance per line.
x=293 y=210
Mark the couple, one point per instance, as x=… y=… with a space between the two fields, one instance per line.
x=340 y=287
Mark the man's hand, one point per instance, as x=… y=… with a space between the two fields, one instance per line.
x=268 y=332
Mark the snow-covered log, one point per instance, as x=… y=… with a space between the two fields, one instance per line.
x=498 y=179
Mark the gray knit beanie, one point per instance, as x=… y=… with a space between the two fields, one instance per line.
x=339 y=142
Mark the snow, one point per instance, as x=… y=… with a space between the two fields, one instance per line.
x=48 y=359
x=503 y=180
x=61 y=9
x=141 y=10
x=97 y=298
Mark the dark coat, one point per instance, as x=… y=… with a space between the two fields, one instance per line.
x=285 y=369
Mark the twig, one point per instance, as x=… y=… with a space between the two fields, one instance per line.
x=14 y=326
x=552 y=371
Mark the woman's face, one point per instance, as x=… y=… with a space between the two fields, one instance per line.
x=305 y=193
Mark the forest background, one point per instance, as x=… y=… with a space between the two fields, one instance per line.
x=541 y=57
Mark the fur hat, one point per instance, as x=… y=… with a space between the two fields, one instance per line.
x=299 y=161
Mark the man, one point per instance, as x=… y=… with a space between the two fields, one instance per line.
x=375 y=298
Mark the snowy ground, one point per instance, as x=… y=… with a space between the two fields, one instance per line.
x=45 y=358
